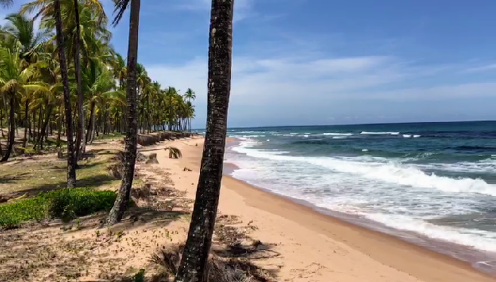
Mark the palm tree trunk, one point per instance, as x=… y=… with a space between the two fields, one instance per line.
x=1 y=122
x=193 y=265
x=117 y=211
x=40 y=118
x=45 y=125
x=91 y=125
x=59 y=127
x=11 y=130
x=31 y=125
x=80 y=141
x=71 y=161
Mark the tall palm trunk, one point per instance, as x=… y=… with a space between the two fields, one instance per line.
x=193 y=265
x=117 y=211
x=44 y=126
x=1 y=122
x=59 y=127
x=71 y=161
x=91 y=124
x=80 y=141
x=26 y=121
x=11 y=130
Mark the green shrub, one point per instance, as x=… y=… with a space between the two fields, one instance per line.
x=66 y=204
x=12 y=214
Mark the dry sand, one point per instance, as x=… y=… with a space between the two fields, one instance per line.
x=313 y=246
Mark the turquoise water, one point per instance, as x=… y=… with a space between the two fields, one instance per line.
x=434 y=179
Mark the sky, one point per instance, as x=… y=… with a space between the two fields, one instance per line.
x=317 y=62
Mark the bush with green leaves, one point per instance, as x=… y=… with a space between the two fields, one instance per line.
x=66 y=204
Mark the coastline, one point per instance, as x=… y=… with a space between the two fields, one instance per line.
x=312 y=241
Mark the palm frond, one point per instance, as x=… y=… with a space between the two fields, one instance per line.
x=120 y=8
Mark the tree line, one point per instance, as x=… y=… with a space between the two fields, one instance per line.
x=68 y=78
x=31 y=80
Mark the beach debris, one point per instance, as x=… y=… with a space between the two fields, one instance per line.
x=141 y=158
x=186 y=169
x=220 y=270
x=152 y=159
x=174 y=153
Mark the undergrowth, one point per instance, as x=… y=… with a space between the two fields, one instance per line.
x=66 y=204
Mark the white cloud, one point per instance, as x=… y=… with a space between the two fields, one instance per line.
x=294 y=83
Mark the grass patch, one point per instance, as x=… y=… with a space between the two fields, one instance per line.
x=66 y=204
x=50 y=173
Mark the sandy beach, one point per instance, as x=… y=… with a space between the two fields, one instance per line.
x=314 y=246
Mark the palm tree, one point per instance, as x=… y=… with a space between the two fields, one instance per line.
x=195 y=256
x=73 y=31
x=22 y=29
x=80 y=143
x=98 y=83
x=117 y=211
x=12 y=80
x=189 y=96
x=71 y=161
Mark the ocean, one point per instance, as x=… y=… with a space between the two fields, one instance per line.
x=430 y=183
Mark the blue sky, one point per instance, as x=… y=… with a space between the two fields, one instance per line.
x=301 y=62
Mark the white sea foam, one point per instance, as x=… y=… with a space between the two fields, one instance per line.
x=407 y=135
x=337 y=134
x=386 y=172
x=397 y=195
x=416 y=136
x=339 y=137
x=379 y=133
x=478 y=239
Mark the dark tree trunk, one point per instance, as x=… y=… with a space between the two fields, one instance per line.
x=92 y=117
x=71 y=161
x=11 y=130
x=44 y=126
x=80 y=141
x=1 y=121
x=26 y=124
x=31 y=125
x=193 y=267
x=59 y=127
x=91 y=124
x=40 y=119
x=120 y=204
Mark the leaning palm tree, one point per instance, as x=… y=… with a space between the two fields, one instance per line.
x=71 y=161
x=117 y=211
x=193 y=265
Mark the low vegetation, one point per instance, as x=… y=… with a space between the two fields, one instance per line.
x=65 y=203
